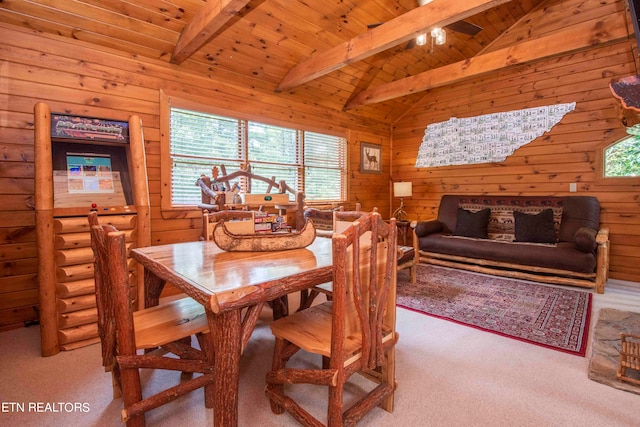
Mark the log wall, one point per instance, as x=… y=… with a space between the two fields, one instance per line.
x=78 y=78
x=567 y=154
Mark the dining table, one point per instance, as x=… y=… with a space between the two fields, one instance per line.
x=233 y=287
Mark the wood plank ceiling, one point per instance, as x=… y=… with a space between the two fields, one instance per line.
x=319 y=52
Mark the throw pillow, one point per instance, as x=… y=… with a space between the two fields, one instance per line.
x=536 y=228
x=584 y=239
x=472 y=224
x=425 y=228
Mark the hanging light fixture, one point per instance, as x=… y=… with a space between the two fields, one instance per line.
x=439 y=36
x=421 y=40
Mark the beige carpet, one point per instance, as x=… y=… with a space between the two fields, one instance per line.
x=448 y=375
x=605 y=351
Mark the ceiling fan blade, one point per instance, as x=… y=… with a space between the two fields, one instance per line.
x=377 y=24
x=464 y=27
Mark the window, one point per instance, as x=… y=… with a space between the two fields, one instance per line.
x=622 y=159
x=310 y=162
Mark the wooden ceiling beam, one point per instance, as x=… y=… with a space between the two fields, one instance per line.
x=202 y=28
x=438 y=13
x=606 y=30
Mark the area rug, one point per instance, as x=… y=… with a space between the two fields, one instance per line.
x=605 y=349
x=548 y=316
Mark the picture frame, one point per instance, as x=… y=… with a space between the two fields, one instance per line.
x=370 y=158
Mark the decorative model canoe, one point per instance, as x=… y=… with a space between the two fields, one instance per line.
x=263 y=242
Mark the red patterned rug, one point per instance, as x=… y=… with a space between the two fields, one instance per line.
x=548 y=316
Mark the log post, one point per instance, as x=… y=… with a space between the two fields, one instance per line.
x=44 y=229
x=140 y=183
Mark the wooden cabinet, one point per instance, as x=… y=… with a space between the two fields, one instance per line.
x=75 y=292
x=66 y=294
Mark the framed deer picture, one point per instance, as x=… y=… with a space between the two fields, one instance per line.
x=370 y=158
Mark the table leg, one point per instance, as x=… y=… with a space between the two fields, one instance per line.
x=226 y=330
x=153 y=287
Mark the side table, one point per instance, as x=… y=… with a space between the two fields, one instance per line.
x=403 y=228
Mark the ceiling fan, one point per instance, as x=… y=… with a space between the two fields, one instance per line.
x=438 y=35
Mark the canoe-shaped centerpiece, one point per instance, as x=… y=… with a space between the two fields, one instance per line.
x=263 y=242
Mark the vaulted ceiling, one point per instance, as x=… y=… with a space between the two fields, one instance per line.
x=339 y=54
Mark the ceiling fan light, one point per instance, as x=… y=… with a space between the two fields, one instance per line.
x=439 y=36
x=421 y=40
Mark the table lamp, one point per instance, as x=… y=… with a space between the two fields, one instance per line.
x=401 y=189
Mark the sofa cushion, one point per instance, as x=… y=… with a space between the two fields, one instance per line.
x=472 y=224
x=535 y=228
x=562 y=256
x=585 y=239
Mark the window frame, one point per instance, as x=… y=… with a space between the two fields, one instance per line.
x=167 y=101
x=600 y=166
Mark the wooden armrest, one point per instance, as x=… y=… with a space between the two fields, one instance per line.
x=603 y=236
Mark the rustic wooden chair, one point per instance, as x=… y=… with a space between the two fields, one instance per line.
x=355 y=332
x=341 y=220
x=167 y=327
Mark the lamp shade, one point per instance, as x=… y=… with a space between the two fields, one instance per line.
x=402 y=189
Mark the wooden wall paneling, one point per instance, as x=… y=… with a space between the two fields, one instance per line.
x=550 y=16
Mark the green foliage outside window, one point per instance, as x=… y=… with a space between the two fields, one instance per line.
x=623 y=158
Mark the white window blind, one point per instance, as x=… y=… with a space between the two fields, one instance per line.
x=325 y=167
x=310 y=162
x=273 y=152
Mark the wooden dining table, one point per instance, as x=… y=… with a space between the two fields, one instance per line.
x=227 y=283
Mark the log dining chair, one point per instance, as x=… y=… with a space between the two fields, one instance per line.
x=354 y=332
x=341 y=220
x=135 y=340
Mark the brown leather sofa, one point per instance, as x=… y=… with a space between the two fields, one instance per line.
x=548 y=239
